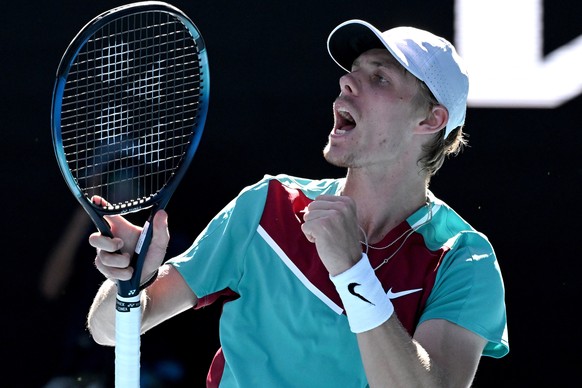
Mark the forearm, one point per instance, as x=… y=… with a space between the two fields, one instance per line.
x=101 y=317
x=393 y=359
x=390 y=356
x=167 y=296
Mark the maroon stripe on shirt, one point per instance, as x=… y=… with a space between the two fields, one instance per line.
x=413 y=265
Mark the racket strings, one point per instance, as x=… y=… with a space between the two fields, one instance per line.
x=87 y=81
x=130 y=106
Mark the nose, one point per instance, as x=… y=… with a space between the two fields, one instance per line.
x=348 y=84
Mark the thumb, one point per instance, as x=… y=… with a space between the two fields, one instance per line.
x=160 y=224
x=159 y=243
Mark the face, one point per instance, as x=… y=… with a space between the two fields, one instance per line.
x=374 y=115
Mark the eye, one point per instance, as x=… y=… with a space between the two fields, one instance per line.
x=380 y=78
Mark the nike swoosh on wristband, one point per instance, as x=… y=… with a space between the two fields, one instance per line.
x=394 y=295
x=351 y=289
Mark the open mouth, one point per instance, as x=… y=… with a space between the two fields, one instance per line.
x=344 y=121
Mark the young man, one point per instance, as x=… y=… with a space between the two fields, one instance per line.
x=369 y=280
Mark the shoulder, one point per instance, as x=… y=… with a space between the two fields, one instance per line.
x=449 y=229
x=467 y=250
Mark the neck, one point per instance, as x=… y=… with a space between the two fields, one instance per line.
x=383 y=201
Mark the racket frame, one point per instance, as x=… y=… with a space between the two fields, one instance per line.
x=128 y=306
x=162 y=197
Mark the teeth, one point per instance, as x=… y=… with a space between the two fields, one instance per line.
x=346 y=115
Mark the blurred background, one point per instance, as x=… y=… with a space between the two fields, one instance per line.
x=272 y=86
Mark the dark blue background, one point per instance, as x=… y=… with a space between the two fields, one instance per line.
x=271 y=93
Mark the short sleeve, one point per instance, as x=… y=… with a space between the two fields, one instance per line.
x=469 y=292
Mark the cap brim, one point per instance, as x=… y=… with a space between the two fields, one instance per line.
x=350 y=39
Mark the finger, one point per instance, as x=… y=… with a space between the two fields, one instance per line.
x=103 y=203
x=99 y=201
x=327 y=197
x=161 y=221
x=114 y=260
x=308 y=235
x=113 y=273
x=329 y=202
x=99 y=241
x=320 y=210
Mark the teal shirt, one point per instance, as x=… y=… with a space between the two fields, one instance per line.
x=283 y=324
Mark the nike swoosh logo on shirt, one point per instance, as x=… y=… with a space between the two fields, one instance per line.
x=394 y=295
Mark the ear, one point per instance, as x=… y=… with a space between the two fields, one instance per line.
x=436 y=120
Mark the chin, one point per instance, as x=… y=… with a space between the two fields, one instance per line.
x=333 y=158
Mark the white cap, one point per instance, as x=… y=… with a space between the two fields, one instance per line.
x=428 y=57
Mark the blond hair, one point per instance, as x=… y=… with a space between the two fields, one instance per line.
x=436 y=151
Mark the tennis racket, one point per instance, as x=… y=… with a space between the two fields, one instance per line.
x=129 y=106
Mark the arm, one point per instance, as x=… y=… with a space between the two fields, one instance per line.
x=167 y=296
x=441 y=354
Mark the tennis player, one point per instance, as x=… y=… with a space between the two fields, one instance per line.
x=365 y=280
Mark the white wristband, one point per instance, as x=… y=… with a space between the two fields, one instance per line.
x=365 y=301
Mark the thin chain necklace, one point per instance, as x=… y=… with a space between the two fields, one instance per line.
x=406 y=235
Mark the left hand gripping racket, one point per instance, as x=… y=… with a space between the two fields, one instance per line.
x=129 y=106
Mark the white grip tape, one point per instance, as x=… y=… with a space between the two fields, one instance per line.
x=365 y=301
x=127 y=342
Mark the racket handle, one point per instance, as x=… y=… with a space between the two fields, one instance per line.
x=127 y=342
